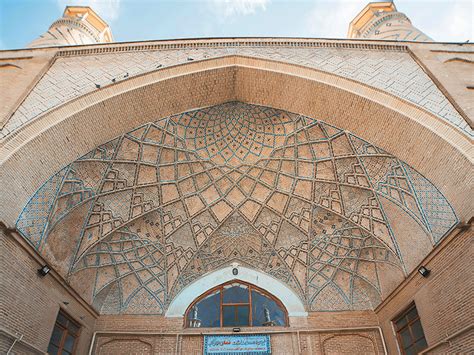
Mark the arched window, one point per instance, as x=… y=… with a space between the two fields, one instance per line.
x=236 y=304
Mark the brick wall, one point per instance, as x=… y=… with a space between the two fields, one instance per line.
x=328 y=320
x=349 y=344
x=29 y=303
x=118 y=333
x=456 y=345
x=74 y=129
x=125 y=346
x=286 y=342
x=137 y=323
x=20 y=72
x=443 y=300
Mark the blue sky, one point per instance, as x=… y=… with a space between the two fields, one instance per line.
x=21 y=21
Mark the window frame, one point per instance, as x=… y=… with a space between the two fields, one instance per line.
x=220 y=288
x=408 y=325
x=65 y=331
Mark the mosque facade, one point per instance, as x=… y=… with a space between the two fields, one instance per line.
x=244 y=195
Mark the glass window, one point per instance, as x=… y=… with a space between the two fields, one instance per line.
x=52 y=349
x=56 y=337
x=207 y=312
x=261 y=303
x=64 y=337
x=236 y=304
x=416 y=330
x=69 y=343
x=236 y=293
x=235 y=316
x=409 y=332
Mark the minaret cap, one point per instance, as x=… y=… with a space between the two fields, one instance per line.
x=78 y=25
x=382 y=21
x=92 y=18
x=368 y=13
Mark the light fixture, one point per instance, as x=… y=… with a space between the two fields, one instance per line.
x=424 y=271
x=236 y=330
x=44 y=270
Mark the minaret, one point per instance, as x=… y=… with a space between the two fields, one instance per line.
x=381 y=20
x=79 y=25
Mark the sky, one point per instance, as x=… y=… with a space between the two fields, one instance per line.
x=21 y=21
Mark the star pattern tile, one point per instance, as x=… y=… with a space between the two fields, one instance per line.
x=188 y=194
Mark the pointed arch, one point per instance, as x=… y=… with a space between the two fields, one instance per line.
x=424 y=141
x=187 y=295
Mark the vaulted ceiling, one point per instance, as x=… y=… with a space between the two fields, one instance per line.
x=134 y=221
x=388 y=68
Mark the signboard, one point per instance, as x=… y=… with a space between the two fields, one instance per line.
x=237 y=344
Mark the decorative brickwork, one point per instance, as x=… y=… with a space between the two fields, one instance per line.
x=339 y=344
x=392 y=71
x=144 y=174
x=357 y=341
x=382 y=21
x=153 y=210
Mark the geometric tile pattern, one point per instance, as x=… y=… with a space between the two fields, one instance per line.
x=131 y=275
x=394 y=72
x=35 y=217
x=283 y=193
x=437 y=212
x=343 y=262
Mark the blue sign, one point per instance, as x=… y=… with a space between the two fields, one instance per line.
x=237 y=344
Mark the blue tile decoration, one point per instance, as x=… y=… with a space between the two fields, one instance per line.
x=286 y=194
x=34 y=218
x=437 y=212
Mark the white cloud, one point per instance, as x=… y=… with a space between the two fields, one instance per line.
x=330 y=19
x=442 y=20
x=455 y=25
x=107 y=9
x=229 y=8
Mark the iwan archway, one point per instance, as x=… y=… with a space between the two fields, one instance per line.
x=137 y=219
x=424 y=141
x=328 y=193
